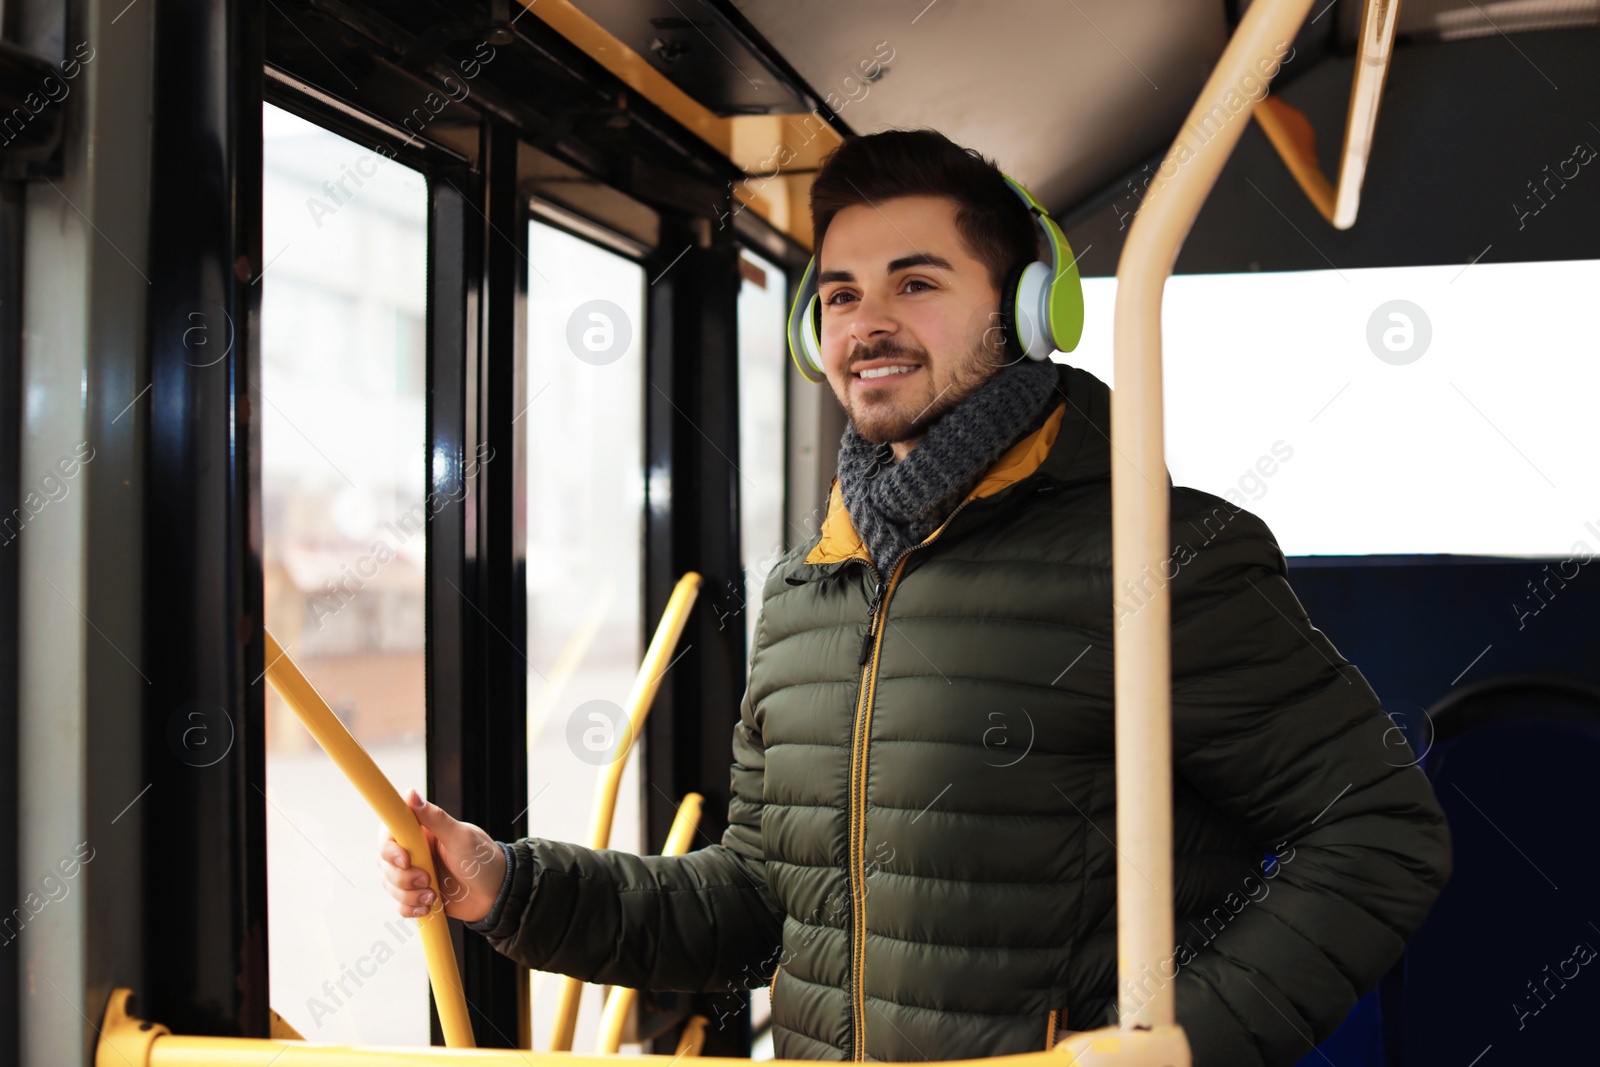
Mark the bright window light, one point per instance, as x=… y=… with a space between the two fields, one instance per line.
x=343 y=502
x=1387 y=410
x=583 y=427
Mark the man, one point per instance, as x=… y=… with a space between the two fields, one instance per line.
x=920 y=851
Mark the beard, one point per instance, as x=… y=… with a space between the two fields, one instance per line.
x=907 y=412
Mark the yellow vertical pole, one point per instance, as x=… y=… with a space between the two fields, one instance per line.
x=1139 y=506
x=640 y=697
x=620 y=1002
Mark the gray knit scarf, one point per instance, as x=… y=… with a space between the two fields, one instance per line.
x=893 y=506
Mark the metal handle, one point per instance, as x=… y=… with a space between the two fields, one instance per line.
x=379 y=793
x=1290 y=132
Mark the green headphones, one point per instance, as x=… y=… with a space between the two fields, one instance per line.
x=1041 y=304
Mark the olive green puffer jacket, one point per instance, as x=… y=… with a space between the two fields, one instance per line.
x=922 y=819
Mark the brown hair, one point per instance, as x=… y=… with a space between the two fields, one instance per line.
x=992 y=220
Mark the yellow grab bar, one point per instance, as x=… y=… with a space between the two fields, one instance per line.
x=620 y=1003
x=353 y=761
x=1139 y=518
x=693 y=1038
x=1290 y=132
x=640 y=697
x=128 y=1041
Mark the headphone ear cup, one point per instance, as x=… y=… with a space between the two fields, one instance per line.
x=805 y=327
x=1046 y=308
x=811 y=334
x=1031 y=311
x=1061 y=304
x=1008 y=316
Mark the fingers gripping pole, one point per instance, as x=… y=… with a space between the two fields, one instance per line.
x=1139 y=510
x=353 y=761
x=640 y=697
x=620 y=1002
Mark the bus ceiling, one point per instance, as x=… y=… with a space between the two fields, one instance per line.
x=1081 y=101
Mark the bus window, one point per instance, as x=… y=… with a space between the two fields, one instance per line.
x=763 y=360
x=583 y=428
x=343 y=485
x=1373 y=411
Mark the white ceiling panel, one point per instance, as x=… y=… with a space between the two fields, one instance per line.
x=1063 y=94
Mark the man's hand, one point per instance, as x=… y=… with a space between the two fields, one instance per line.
x=467 y=860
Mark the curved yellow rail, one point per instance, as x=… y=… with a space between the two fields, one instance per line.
x=376 y=789
x=1139 y=509
x=640 y=697
x=1291 y=133
x=620 y=1002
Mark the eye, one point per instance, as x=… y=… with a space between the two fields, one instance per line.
x=918 y=281
x=832 y=297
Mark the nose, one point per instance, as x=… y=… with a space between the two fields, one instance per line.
x=872 y=320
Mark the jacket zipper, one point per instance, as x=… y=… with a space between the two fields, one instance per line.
x=871 y=649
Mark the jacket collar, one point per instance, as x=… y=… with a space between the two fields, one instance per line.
x=1071 y=446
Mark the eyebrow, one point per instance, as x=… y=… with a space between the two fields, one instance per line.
x=919 y=259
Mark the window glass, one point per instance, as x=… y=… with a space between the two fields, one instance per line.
x=763 y=362
x=584 y=434
x=1386 y=410
x=342 y=477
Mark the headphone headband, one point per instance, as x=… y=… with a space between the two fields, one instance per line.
x=1041 y=304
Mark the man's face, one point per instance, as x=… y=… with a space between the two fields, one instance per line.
x=899 y=289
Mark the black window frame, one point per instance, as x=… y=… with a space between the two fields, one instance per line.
x=359 y=72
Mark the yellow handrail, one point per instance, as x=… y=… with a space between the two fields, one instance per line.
x=374 y=787
x=640 y=698
x=620 y=1002
x=1139 y=514
x=128 y=1041
x=1291 y=133
x=693 y=1038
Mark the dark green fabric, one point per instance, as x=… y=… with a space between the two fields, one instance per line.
x=990 y=892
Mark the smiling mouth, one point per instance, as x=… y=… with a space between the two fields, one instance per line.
x=880 y=374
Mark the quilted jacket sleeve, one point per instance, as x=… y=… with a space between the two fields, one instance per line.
x=702 y=922
x=1275 y=728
